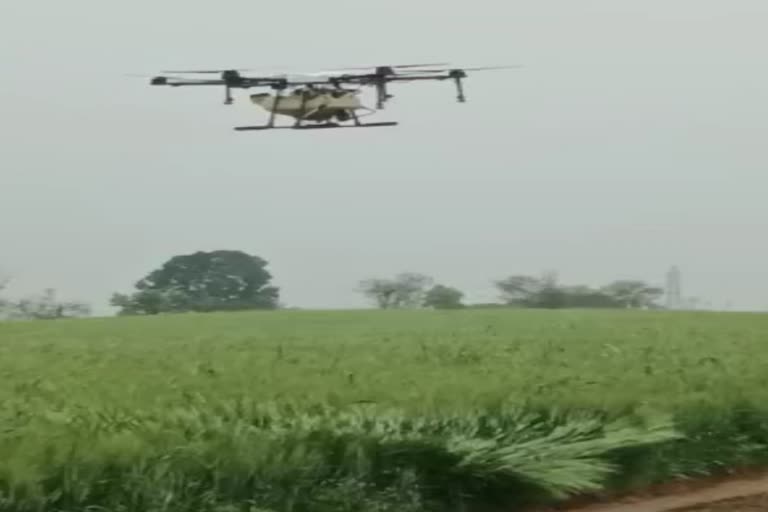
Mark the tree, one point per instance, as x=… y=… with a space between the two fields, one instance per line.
x=586 y=297
x=406 y=290
x=46 y=307
x=546 y=292
x=381 y=291
x=633 y=294
x=149 y=302
x=220 y=280
x=532 y=292
x=443 y=297
x=3 y=302
x=517 y=290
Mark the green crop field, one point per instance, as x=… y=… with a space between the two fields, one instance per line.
x=406 y=411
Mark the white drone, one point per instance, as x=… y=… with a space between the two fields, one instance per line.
x=320 y=98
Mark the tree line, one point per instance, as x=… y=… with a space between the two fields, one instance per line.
x=226 y=280
x=522 y=291
x=44 y=306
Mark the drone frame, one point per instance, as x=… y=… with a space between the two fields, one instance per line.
x=379 y=79
x=297 y=125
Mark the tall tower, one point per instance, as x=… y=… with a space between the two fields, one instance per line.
x=674 y=289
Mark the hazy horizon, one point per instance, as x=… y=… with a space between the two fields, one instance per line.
x=631 y=140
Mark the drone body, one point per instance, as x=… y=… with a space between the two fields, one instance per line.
x=318 y=99
x=324 y=107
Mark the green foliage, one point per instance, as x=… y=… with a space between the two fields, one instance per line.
x=4 y=303
x=45 y=306
x=546 y=292
x=203 y=455
x=443 y=297
x=151 y=302
x=406 y=290
x=387 y=411
x=202 y=282
x=633 y=294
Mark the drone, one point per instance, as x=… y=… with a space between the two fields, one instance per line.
x=320 y=99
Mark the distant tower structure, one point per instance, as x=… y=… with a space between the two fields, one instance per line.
x=674 y=292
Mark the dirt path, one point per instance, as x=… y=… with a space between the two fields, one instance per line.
x=749 y=504
x=736 y=495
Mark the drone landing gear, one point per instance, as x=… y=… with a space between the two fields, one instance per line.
x=336 y=125
x=297 y=125
x=316 y=126
x=273 y=113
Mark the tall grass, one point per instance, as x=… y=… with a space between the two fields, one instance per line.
x=372 y=411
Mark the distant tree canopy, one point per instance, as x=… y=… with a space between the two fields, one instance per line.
x=45 y=306
x=443 y=297
x=411 y=290
x=406 y=290
x=546 y=292
x=634 y=294
x=220 y=280
x=414 y=290
x=3 y=301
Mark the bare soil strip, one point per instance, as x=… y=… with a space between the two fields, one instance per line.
x=748 y=504
x=744 y=493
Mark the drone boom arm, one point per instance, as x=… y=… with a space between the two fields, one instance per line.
x=456 y=75
x=229 y=79
x=379 y=78
x=178 y=82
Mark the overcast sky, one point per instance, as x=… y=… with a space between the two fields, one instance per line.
x=632 y=139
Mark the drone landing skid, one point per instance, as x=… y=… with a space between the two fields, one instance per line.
x=316 y=126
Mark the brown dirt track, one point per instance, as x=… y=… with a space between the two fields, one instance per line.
x=743 y=492
x=747 y=504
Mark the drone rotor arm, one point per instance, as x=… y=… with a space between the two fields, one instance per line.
x=178 y=82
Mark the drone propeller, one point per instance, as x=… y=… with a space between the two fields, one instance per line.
x=488 y=68
x=398 y=66
x=305 y=73
x=138 y=75
x=376 y=76
x=205 y=71
x=480 y=68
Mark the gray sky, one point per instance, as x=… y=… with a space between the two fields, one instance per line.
x=633 y=139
